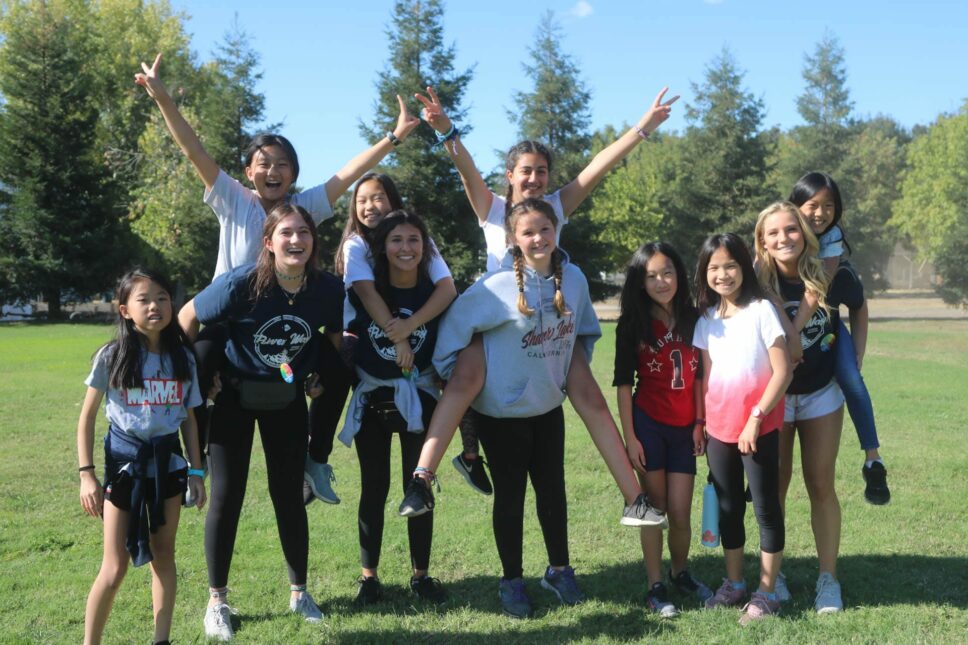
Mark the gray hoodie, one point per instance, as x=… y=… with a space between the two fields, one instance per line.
x=527 y=359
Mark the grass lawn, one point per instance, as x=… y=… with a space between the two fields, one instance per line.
x=903 y=567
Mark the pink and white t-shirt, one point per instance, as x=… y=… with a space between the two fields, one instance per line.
x=738 y=350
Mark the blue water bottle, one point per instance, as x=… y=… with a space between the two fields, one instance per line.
x=710 y=516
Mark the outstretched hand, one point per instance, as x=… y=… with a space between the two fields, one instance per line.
x=148 y=78
x=433 y=112
x=406 y=122
x=658 y=113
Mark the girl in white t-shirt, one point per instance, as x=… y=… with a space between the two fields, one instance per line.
x=527 y=170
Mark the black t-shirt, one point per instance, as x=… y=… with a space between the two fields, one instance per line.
x=374 y=353
x=269 y=332
x=820 y=333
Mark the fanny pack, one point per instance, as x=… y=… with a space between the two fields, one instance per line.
x=266 y=395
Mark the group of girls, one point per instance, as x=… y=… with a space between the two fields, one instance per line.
x=260 y=351
x=738 y=376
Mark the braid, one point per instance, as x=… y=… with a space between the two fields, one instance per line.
x=519 y=278
x=559 y=296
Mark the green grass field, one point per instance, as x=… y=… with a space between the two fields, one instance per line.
x=904 y=567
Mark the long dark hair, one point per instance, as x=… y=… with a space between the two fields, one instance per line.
x=263 y=277
x=749 y=291
x=378 y=249
x=811 y=184
x=353 y=225
x=266 y=139
x=511 y=161
x=126 y=353
x=635 y=320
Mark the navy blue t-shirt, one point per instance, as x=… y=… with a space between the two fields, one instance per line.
x=263 y=335
x=820 y=333
x=374 y=353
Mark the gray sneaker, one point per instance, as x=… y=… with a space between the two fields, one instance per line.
x=658 y=601
x=641 y=512
x=306 y=607
x=514 y=599
x=562 y=583
x=828 y=599
x=726 y=596
x=320 y=478
x=759 y=607
x=218 y=622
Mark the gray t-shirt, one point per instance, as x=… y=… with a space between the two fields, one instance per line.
x=156 y=409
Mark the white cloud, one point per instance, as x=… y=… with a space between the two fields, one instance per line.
x=582 y=9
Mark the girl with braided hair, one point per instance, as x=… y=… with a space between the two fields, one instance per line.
x=530 y=314
x=527 y=170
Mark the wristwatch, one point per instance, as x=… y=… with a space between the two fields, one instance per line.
x=756 y=412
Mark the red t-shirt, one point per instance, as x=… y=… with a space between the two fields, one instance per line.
x=666 y=378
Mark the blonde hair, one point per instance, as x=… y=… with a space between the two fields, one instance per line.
x=534 y=205
x=809 y=267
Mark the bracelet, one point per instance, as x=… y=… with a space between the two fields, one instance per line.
x=642 y=133
x=393 y=139
x=83 y=468
x=450 y=135
x=699 y=422
x=196 y=472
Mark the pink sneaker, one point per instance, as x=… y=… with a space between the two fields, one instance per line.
x=726 y=596
x=759 y=607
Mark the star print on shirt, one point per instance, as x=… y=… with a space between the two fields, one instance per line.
x=655 y=366
x=694 y=363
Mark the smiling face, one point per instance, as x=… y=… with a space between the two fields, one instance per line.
x=724 y=275
x=291 y=244
x=534 y=234
x=271 y=173
x=661 y=281
x=404 y=248
x=783 y=239
x=148 y=306
x=819 y=210
x=529 y=178
x=372 y=203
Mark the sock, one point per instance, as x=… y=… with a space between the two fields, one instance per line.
x=737 y=585
x=870 y=462
x=468 y=457
x=770 y=595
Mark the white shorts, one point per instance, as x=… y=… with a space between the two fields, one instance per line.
x=800 y=407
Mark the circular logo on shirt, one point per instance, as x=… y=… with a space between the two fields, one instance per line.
x=281 y=339
x=815 y=329
x=382 y=345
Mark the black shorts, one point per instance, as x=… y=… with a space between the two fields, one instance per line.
x=117 y=489
x=667 y=448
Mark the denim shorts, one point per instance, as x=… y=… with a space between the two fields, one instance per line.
x=800 y=407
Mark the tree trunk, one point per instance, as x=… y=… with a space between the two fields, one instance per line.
x=52 y=296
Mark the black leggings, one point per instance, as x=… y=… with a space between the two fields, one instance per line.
x=373 y=449
x=726 y=465
x=517 y=448
x=283 y=434
x=326 y=409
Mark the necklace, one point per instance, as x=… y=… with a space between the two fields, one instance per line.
x=282 y=276
x=290 y=294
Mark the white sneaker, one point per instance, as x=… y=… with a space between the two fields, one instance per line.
x=828 y=595
x=307 y=607
x=218 y=622
x=780 y=587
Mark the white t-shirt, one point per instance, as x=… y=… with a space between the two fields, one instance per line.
x=494 y=235
x=358 y=265
x=241 y=218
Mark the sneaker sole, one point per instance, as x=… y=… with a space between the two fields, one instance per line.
x=631 y=521
x=467 y=477
x=829 y=610
x=412 y=512
x=317 y=494
x=875 y=501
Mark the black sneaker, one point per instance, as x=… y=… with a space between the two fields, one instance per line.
x=370 y=591
x=876 y=492
x=641 y=512
x=473 y=472
x=418 y=498
x=308 y=496
x=658 y=601
x=429 y=589
x=689 y=586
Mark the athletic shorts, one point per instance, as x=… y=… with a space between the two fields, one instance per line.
x=800 y=407
x=667 y=448
x=117 y=489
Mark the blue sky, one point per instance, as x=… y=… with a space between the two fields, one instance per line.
x=320 y=59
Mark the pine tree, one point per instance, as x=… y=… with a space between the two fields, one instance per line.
x=423 y=171
x=57 y=233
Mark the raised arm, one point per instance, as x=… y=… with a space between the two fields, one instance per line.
x=575 y=192
x=181 y=131
x=366 y=160
x=478 y=193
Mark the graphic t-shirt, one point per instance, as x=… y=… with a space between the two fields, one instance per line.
x=666 y=375
x=741 y=367
x=819 y=335
x=277 y=328
x=374 y=352
x=155 y=409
